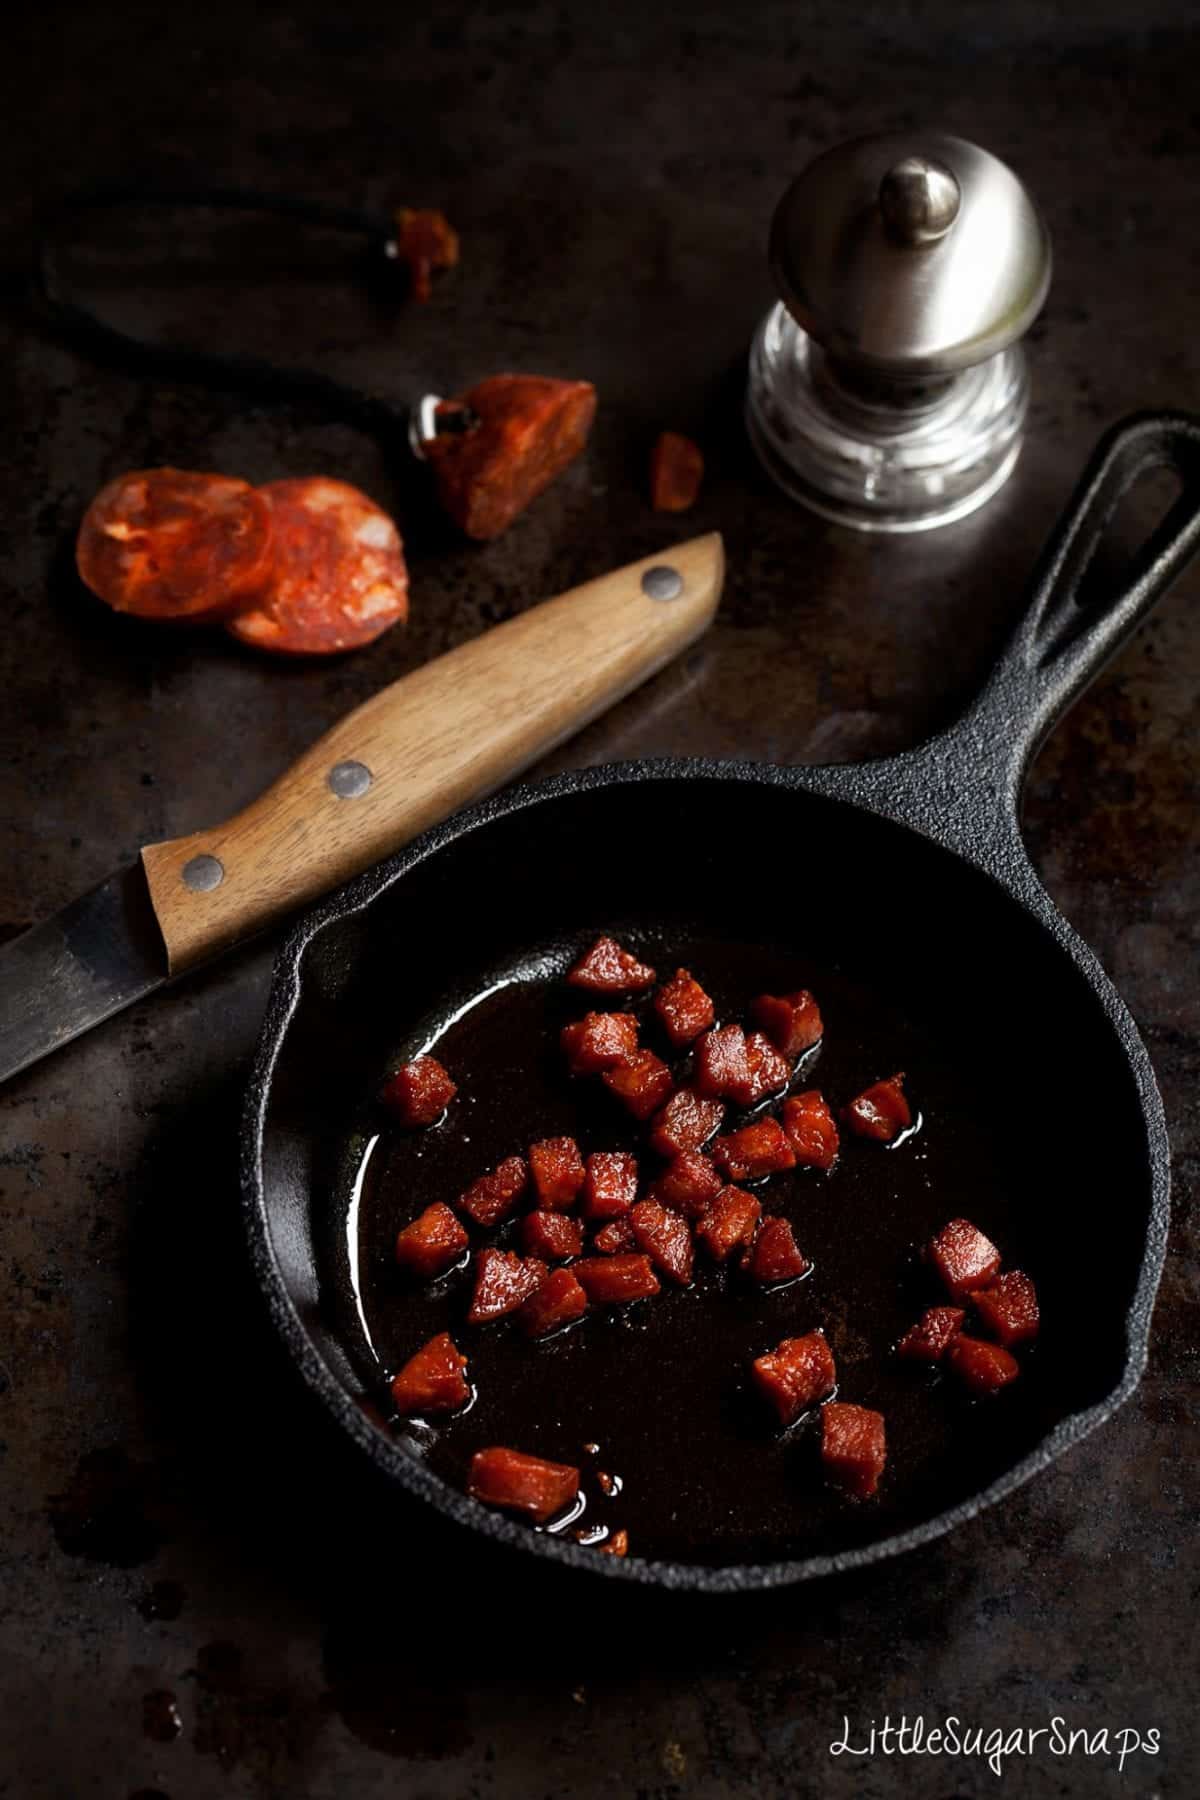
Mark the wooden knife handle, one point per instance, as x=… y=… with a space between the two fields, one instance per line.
x=431 y=742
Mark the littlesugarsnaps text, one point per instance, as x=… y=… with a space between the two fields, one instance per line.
x=994 y=1744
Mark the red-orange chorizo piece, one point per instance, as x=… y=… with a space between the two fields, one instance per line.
x=425 y=243
x=527 y=429
x=676 y=471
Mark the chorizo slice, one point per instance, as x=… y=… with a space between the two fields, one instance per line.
x=676 y=471
x=522 y=432
x=339 y=577
x=173 y=544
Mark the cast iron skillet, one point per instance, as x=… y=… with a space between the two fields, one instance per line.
x=908 y=878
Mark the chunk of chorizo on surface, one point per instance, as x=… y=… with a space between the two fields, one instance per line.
x=433 y=1241
x=684 y=1008
x=434 y=1380
x=792 y=1021
x=641 y=1082
x=676 y=471
x=665 y=1238
x=551 y=1235
x=728 y=1223
x=557 y=1302
x=757 y=1149
x=494 y=1196
x=419 y=1092
x=614 y=1237
x=769 y=1071
x=557 y=1170
x=610 y=1185
x=774 y=1255
x=963 y=1258
x=614 y=1280
x=425 y=243
x=616 y=1544
x=1008 y=1309
x=928 y=1340
x=981 y=1367
x=880 y=1112
x=853 y=1447
x=722 y=1069
x=811 y=1128
x=501 y=444
x=686 y=1122
x=503 y=1282
x=608 y=968
x=522 y=1484
x=795 y=1374
x=688 y=1183
x=599 y=1041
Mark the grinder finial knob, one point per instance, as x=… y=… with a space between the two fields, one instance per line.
x=919 y=199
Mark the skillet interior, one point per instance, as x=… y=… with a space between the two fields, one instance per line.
x=1034 y=1127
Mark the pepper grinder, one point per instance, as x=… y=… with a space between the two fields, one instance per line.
x=887 y=386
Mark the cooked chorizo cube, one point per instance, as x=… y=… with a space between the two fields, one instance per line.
x=557 y=1302
x=811 y=1128
x=494 y=1196
x=769 y=1071
x=686 y=1122
x=1008 y=1309
x=522 y=1484
x=599 y=1041
x=610 y=1185
x=551 y=1235
x=722 y=1066
x=963 y=1258
x=774 y=1255
x=642 y=1082
x=795 y=1374
x=503 y=1281
x=557 y=1170
x=728 y=1223
x=665 y=1238
x=853 y=1447
x=929 y=1339
x=880 y=1112
x=433 y=1241
x=607 y=968
x=419 y=1092
x=688 y=1183
x=757 y=1149
x=614 y=1237
x=614 y=1280
x=981 y=1367
x=434 y=1380
x=791 y=1021
x=615 y=1544
x=684 y=1008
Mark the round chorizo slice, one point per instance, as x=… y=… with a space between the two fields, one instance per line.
x=339 y=576
x=174 y=544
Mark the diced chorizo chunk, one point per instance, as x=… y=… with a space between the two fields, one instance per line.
x=432 y=1242
x=769 y=1071
x=599 y=1041
x=642 y=1082
x=424 y=243
x=774 y=1255
x=811 y=1128
x=614 y=1280
x=880 y=1112
x=686 y=1122
x=610 y=1186
x=795 y=1374
x=551 y=1235
x=728 y=1223
x=503 y=1281
x=676 y=471
x=929 y=1339
x=792 y=1021
x=614 y=1237
x=665 y=1238
x=419 y=1092
x=1008 y=1309
x=557 y=1302
x=557 y=1170
x=853 y=1447
x=494 y=1196
x=608 y=968
x=981 y=1367
x=963 y=1258
x=722 y=1066
x=434 y=1380
x=522 y=1484
x=688 y=1183
x=684 y=1008
x=757 y=1149
x=615 y=1544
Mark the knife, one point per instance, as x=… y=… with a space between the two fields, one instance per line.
x=418 y=750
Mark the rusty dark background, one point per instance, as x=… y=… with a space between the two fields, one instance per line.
x=203 y=1596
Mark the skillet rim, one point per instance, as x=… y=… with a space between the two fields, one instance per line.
x=999 y=856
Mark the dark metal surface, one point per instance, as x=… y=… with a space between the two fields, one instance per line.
x=189 y=1607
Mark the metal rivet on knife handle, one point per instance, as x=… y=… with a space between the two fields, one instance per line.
x=203 y=873
x=662 y=582
x=349 y=779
